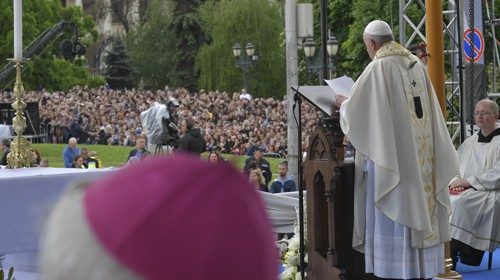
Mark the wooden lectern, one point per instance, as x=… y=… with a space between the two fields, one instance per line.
x=329 y=182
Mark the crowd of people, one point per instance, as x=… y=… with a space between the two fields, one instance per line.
x=406 y=169
x=232 y=123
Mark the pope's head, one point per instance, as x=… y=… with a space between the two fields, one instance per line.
x=155 y=220
x=375 y=35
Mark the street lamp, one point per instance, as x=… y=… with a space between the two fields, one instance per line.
x=314 y=63
x=245 y=61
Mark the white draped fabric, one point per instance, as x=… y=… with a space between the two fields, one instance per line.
x=26 y=197
x=5 y=131
x=281 y=210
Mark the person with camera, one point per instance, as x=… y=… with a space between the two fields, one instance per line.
x=171 y=124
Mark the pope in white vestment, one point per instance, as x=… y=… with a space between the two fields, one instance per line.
x=476 y=189
x=404 y=161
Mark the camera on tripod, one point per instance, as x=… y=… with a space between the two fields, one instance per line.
x=160 y=124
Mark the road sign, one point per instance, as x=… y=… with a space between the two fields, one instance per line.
x=478 y=50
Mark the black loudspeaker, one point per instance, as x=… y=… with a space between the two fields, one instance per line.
x=31 y=114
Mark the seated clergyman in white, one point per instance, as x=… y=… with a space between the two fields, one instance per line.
x=475 y=190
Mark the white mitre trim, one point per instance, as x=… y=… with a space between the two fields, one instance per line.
x=69 y=250
x=378 y=28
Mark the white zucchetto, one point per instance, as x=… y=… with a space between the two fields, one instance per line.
x=378 y=28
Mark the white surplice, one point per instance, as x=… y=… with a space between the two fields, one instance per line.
x=476 y=213
x=413 y=161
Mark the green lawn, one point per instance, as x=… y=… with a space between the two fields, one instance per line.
x=117 y=155
x=109 y=155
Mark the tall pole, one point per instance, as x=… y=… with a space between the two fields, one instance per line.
x=324 y=37
x=291 y=80
x=20 y=155
x=245 y=80
x=435 y=47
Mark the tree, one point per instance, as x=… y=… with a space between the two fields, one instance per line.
x=118 y=70
x=363 y=12
x=129 y=13
x=339 y=18
x=152 y=47
x=190 y=35
x=37 y=17
x=243 y=21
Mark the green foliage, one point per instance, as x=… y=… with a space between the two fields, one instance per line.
x=363 y=12
x=340 y=17
x=84 y=23
x=58 y=74
x=190 y=35
x=152 y=47
x=243 y=21
x=37 y=17
x=340 y=13
x=118 y=70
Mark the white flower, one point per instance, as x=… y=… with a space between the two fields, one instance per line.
x=298 y=276
x=282 y=246
x=293 y=260
x=289 y=251
x=291 y=269
x=286 y=276
x=294 y=244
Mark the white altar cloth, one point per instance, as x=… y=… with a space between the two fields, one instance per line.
x=281 y=210
x=26 y=197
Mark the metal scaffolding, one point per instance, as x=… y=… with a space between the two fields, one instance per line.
x=412 y=31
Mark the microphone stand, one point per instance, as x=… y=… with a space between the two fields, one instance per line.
x=298 y=101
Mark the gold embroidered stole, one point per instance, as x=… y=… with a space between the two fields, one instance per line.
x=415 y=86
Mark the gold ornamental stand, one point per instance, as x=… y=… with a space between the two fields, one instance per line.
x=20 y=153
x=448 y=273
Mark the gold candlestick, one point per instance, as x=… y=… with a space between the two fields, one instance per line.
x=448 y=273
x=20 y=153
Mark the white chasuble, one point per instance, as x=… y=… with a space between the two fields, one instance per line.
x=393 y=119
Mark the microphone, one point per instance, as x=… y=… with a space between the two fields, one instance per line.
x=296 y=94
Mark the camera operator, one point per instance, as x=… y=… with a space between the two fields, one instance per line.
x=171 y=124
x=191 y=141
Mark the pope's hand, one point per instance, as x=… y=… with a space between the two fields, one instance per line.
x=339 y=99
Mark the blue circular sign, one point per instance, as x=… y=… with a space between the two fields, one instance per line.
x=476 y=39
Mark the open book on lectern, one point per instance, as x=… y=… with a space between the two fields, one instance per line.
x=323 y=97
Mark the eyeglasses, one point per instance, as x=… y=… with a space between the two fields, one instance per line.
x=482 y=114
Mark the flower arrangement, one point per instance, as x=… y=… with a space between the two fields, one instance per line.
x=289 y=251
